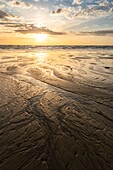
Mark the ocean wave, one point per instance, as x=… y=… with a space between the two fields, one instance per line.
x=29 y=47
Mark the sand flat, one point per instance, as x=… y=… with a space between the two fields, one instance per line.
x=56 y=110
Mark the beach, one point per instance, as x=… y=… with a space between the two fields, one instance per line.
x=56 y=108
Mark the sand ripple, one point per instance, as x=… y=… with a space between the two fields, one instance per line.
x=56 y=112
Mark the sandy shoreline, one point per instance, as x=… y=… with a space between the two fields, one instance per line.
x=56 y=112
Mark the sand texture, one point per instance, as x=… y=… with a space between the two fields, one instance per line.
x=56 y=110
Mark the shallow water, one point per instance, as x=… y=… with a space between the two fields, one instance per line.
x=56 y=108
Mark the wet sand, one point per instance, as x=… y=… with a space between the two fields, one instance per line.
x=56 y=110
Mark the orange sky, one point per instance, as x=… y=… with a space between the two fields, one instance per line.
x=7 y=39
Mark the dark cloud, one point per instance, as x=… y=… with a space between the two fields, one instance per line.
x=7 y=16
x=6 y=23
x=3 y=14
x=18 y=25
x=30 y=29
x=98 y=33
x=58 y=11
x=16 y=3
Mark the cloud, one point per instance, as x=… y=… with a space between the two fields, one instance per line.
x=16 y=25
x=58 y=11
x=31 y=29
x=7 y=16
x=99 y=23
x=3 y=14
x=2 y=6
x=93 y=11
x=85 y=9
x=97 y=33
x=61 y=15
x=9 y=26
x=77 y=2
x=105 y=3
x=17 y=3
x=67 y=12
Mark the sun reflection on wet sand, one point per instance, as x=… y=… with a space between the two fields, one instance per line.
x=41 y=57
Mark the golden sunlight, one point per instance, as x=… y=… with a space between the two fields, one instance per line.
x=41 y=37
x=41 y=56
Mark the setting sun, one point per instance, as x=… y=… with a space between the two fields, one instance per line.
x=41 y=37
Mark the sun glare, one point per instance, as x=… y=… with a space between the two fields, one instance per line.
x=41 y=37
x=41 y=56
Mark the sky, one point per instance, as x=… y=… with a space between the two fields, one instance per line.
x=61 y=22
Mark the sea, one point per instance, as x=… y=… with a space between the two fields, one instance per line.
x=55 y=47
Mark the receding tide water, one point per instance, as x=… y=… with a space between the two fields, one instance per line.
x=56 y=108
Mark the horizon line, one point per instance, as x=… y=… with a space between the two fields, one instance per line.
x=51 y=45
